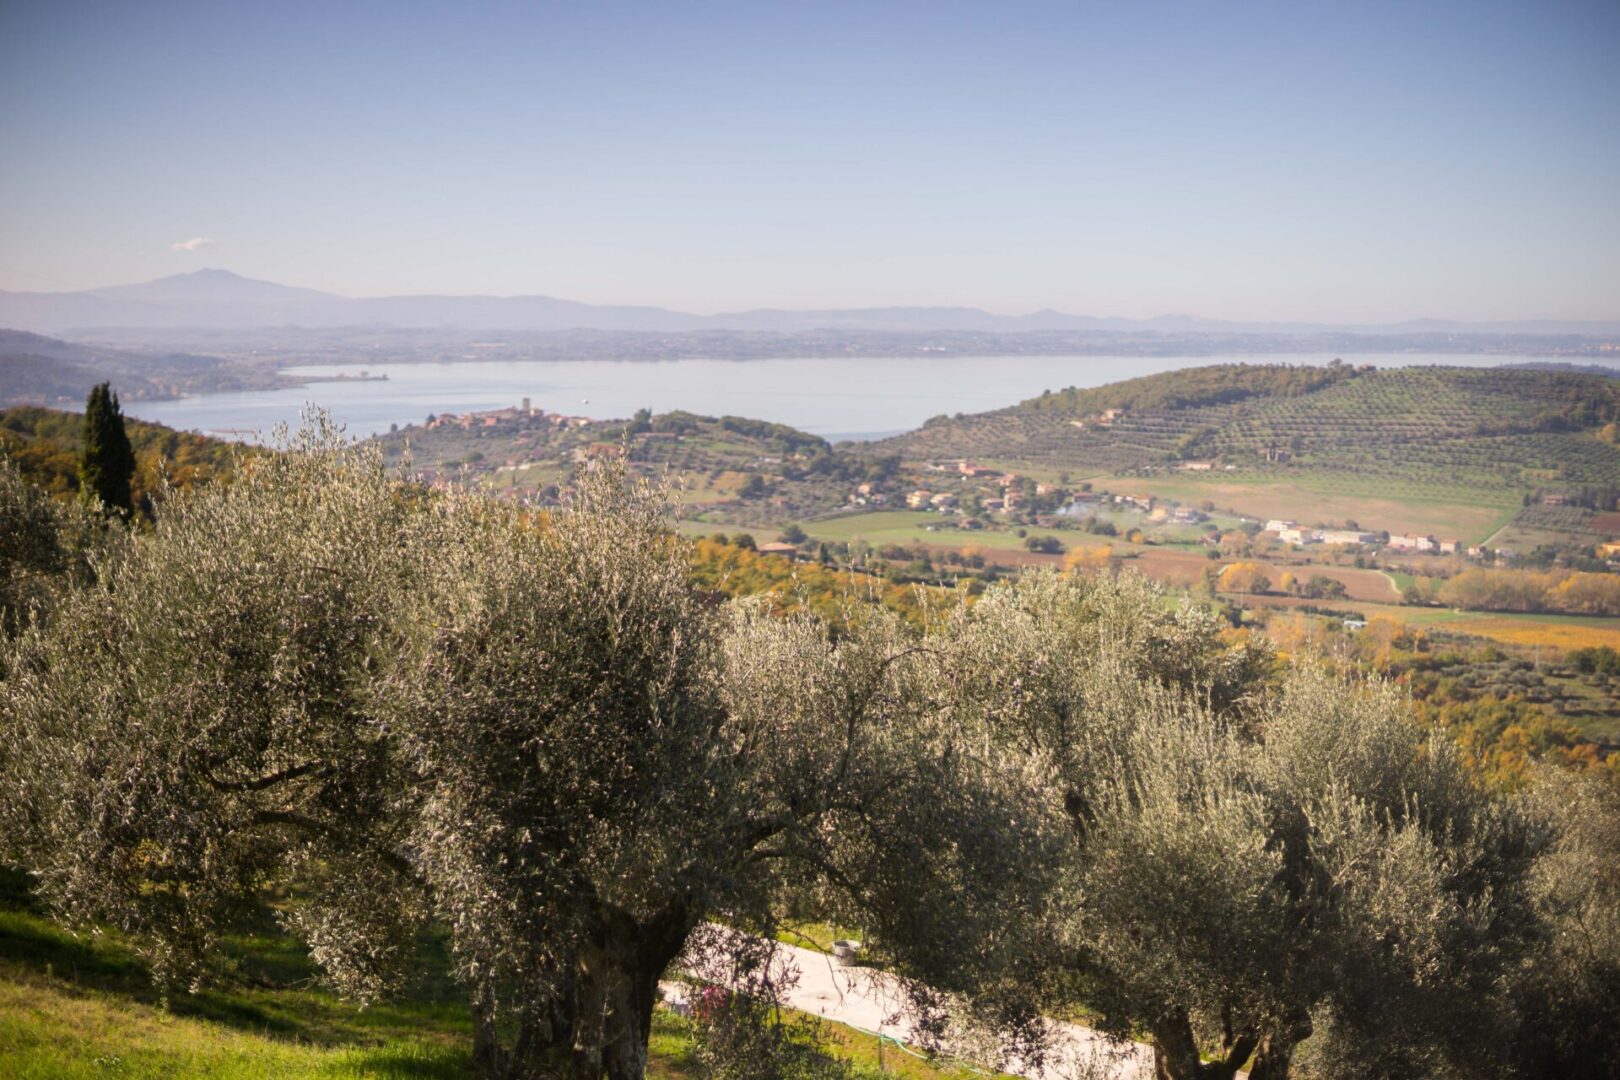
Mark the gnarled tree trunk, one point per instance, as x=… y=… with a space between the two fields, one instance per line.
x=1176 y=1056
x=1272 y=1058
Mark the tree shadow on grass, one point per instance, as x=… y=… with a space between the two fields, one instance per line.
x=266 y=985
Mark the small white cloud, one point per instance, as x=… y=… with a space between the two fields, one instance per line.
x=196 y=243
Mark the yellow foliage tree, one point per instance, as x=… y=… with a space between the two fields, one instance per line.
x=1244 y=577
x=1089 y=560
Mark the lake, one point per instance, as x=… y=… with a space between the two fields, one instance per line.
x=837 y=398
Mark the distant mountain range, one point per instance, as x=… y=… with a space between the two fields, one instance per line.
x=219 y=299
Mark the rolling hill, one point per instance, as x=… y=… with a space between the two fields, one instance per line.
x=44 y=371
x=1491 y=439
x=39 y=370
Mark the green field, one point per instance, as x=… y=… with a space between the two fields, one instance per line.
x=909 y=527
x=1387 y=506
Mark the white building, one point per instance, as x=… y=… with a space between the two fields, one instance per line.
x=1347 y=536
x=1409 y=542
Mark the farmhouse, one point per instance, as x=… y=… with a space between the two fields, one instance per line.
x=598 y=451
x=1196 y=466
x=1409 y=542
x=919 y=498
x=1297 y=536
x=1277 y=525
x=1346 y=536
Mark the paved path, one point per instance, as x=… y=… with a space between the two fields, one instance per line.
x=864 y=998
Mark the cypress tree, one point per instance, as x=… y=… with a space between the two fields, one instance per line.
x=107 y=462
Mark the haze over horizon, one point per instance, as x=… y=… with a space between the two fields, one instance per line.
x=1369 y=165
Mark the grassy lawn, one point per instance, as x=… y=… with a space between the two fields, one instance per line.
x=74 y=1006
x=53 y=1029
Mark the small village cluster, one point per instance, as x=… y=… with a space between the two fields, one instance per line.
x=495 y=417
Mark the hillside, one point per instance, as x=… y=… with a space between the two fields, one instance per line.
x=729 y=469
x=45 y=445
x=1488 y=438
x=44 y=371
x=39 y=370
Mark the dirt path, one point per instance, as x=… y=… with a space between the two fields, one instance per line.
x=872 y=1001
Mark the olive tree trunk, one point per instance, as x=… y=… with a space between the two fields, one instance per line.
x=1176 y=1055
x=597 y=1029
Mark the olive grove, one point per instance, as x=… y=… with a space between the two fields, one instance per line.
x=413 y=707
x=407 y=708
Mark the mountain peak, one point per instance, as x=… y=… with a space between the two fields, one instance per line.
x=213 y=285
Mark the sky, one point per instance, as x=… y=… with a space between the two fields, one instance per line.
x=1316 y=161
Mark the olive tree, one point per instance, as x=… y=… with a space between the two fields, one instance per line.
x=532 y=731
x=606 y=758
x=557 y=700
x=194 y=722
x=1567 y=993
x=44 y=545
x=1246 y=865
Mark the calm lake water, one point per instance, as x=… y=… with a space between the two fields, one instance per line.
x=836 y=398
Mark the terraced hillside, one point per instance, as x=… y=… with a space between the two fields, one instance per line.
x=1475 y=437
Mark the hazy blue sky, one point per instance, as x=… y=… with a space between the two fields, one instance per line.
x=1343 y=160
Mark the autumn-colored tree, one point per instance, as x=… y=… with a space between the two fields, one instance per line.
x=1089 y=560
x=1244 y=577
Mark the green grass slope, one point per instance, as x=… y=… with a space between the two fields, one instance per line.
x=83 y=1008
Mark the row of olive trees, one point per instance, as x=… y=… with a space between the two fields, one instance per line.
x=428 y=708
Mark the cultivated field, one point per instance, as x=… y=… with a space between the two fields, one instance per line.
x=1318 y=499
